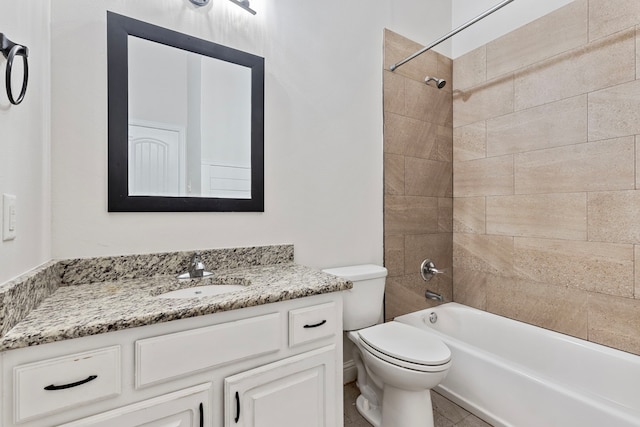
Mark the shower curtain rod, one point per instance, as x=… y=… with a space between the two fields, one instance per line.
x=452 y=33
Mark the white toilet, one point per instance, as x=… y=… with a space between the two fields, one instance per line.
x=397 y=363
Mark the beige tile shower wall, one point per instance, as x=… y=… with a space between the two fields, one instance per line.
x=546 y=161
x=418 y=170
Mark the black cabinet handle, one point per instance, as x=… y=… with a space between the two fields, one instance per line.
x=315 y=325
x=201 y=415
x=237 y=407
x=65 y=386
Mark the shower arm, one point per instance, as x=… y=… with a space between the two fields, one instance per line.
x=451 y=34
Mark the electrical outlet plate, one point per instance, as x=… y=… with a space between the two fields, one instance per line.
x=8 y=217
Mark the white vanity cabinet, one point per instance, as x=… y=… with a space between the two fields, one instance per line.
x=277 y=365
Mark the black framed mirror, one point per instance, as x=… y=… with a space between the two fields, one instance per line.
x=186 y=122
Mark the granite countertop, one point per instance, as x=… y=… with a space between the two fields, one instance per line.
x=95 y=308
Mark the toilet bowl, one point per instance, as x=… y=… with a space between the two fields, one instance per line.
x=397 y=364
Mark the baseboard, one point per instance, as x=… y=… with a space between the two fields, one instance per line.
x=350 y=372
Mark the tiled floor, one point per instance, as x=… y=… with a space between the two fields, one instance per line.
x=445 y=412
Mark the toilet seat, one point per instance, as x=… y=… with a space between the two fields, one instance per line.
x=406 y=346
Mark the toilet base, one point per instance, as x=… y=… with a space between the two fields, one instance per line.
x=369 y=412
x=402 y=408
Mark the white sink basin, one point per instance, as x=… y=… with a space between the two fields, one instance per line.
x=202 y=291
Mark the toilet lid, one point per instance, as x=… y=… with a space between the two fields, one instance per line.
x=407 y=343
x=358 y=272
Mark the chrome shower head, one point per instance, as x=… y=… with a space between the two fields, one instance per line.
x=439 y=82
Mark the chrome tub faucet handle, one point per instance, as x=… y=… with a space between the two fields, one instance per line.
x=428 y=270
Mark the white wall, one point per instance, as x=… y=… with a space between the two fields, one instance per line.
x=323 y=128
x=512 y=16
x=24 y=139
x=422 y=21
x=323 y=123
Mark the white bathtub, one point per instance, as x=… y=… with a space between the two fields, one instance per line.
x=513 y=374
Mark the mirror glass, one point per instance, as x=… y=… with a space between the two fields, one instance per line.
x=192 y=137
x=185 y=122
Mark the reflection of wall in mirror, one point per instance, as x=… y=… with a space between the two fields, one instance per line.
x=226 y=157
x=157 y=82
x=226 y=125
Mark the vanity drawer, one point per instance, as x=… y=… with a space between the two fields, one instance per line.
x=182 y=353
x=51 y=385
x=312 y=323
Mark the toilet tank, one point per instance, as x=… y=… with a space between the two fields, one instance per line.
x=362 y=305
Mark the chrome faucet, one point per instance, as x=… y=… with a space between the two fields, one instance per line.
x=196 y=266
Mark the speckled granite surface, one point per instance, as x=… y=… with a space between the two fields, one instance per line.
x=92 y=308
x=19 y=296
x=104 y=269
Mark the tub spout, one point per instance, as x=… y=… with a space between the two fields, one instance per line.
x=434 y=296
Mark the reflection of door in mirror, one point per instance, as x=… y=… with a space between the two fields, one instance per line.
x=156 y=159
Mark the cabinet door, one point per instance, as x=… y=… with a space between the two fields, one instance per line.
x=184 y=408
x=293 y=392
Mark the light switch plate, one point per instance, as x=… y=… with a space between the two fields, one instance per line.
x=9 y=215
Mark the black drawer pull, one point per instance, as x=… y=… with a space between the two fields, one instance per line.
x=237 y=407
x=201 y=415
x=316 y=325
x=65 y=386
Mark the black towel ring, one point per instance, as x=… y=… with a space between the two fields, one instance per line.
x=10 y=49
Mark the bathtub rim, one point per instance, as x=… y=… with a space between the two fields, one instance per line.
x=631 y=357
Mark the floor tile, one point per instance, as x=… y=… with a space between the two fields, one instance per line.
x=445 y=412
